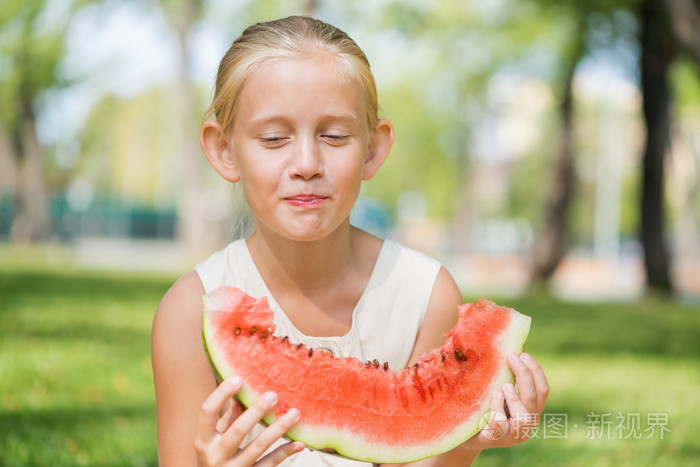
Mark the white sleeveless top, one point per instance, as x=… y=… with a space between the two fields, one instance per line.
x=385 y=321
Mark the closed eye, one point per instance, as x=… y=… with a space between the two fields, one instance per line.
x=335 y=139
x=273 y=141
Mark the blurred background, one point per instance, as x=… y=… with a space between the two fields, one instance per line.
x=522 y=154
x=547 y=152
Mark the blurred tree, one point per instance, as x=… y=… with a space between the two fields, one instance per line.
x=685 y=21
x=309 y=7
x=668 y=27
x=657 y=53
x=550 y=246
x=452 y=57
x=31 y=47
x=192 y=229
x=8 y=165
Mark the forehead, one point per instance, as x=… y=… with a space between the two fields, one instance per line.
x=314 y=82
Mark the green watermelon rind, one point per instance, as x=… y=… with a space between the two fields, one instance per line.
x=354 y=446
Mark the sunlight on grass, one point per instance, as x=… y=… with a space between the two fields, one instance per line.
x=75 y=374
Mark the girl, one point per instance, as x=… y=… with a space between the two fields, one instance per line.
x=296 y=125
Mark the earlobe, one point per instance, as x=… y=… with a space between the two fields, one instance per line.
x=218 y=150
x=379 y=147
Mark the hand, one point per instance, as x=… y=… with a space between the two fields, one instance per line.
x=524 y=406
x=221 y=446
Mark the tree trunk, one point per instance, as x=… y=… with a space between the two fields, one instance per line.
x=550 y=245
x=657 y=51
x=685 y=23
x=193 y=234
x=309 y=7
x=8 y=165
x=31 y=222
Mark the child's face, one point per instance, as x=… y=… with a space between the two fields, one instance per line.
x=299 y=142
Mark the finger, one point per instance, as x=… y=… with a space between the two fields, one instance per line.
x=267 y=438
x=212 y=406
x=521 y=419
x=232 y=410
x=233 y=437
x=498 y=421
x=281 y=453
x=526 y=385
x=540 y=380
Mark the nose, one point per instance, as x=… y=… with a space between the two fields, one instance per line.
x=306 y=159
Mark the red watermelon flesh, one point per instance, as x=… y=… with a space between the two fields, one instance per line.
x=364 y=410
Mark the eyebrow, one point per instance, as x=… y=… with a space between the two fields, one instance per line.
x=260 y=121
x=265 y=120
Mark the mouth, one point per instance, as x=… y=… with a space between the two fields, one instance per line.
x=306 y=200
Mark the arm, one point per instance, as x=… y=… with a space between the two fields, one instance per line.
x=524 y=406
x=181 y=373
x=189 y=405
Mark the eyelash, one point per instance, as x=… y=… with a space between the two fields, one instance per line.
x=279 y=139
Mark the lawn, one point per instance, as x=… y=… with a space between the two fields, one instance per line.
x=76 y=389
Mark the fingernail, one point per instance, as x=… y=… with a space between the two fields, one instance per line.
x=513 y=357
x=271 y=397
x=509 y=387
x=235 y=381
x=293 y=414
x=297 y=446
x=525 y=356
x=499 y=395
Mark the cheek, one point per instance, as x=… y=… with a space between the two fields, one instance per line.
x=258 y=185
x=258 y=174
x=352 y=172
x=348 y=165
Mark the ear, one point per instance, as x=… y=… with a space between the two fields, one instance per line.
x=378 y=149
x=218 y=150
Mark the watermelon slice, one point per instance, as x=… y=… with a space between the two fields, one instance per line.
x=364 y=410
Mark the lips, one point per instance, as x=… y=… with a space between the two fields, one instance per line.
x=306 y=199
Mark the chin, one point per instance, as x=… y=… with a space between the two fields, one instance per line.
x=307 y=230
x=308 y=234
x=306 y=237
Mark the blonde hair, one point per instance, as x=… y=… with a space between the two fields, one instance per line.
x=281 y=39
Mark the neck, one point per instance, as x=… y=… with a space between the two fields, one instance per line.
x=305 y=266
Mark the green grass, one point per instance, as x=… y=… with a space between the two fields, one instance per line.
x=76 y=388
x=75 y=371
x=613 y=362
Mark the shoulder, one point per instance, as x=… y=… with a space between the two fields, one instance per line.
x=440 y=316
x=176 y=332
x=409 y=252
x=183 y=298
x=213 y=270
x=408 y=266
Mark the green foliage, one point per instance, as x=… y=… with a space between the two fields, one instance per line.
x=421 y=153
x=686 y=86
x=30 y=50
x=132 y=158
